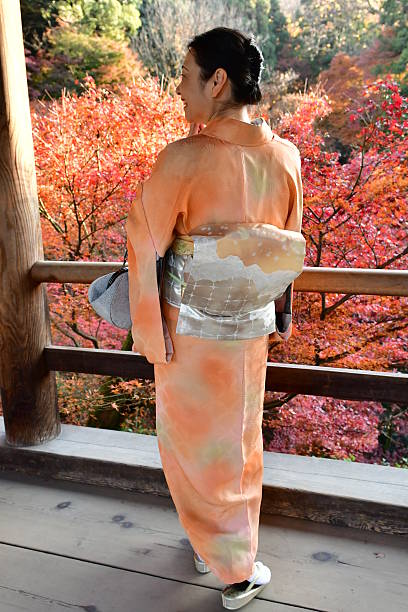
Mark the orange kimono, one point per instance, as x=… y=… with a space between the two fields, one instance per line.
x=210 y=391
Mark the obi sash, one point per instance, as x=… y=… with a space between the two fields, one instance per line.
x=225 y=279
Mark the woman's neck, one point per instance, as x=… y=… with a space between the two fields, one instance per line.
x=239 y=114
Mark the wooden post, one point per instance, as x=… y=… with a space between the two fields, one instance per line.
x=28 y=389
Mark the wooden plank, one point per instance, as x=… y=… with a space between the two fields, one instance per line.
x=365 y=496
x=316 y=566
x=343 y=383
x=28 y=389
x=38 y=582
x=317 y=279
x=284 y=462
x=145 y=447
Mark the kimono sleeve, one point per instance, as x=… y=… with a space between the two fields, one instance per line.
x=295 y=208
x=284 y=304
x=150 y=231
x=164 y=195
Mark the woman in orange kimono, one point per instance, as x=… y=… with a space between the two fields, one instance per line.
x=210 y=392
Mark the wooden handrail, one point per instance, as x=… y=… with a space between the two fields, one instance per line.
x=356 y=281
x=341 y=383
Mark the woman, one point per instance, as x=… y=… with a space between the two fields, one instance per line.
x=210 y=391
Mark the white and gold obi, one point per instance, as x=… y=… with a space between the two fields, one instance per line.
x=225 y=278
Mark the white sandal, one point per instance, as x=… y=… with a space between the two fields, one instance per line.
x=200 y=566
x=237 y=595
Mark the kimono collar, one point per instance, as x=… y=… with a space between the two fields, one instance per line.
x=239 y=132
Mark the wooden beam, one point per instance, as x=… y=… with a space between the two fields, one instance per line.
x=28 y=388
x=98 y=361
x=71 y=271
x=358 y=281
x=323 y=280
x=342 y=383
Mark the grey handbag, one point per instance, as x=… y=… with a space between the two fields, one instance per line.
x=109 y=294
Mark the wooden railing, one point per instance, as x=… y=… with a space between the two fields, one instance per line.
x=28 y=361
x=342 y=383
x=357 y=281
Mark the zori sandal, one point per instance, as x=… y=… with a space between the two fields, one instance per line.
x=237 y=595
x=200 y=565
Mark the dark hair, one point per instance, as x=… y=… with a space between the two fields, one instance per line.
x=238 y=54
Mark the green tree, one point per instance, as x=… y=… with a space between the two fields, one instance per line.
x=269 y=25
x=71 y=55
x=167 y=25
x=36 y=16
x=67 y=39
x=394 y=14
x=323 y=29
x=116 y=19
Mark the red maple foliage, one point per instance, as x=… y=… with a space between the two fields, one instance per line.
x=92 y=150
x=355 y=216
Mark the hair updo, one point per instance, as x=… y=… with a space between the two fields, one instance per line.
x=238 y=54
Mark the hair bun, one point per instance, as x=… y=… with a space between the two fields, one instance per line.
x=238 y=54
x=255 y=58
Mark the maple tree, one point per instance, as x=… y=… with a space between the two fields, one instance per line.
x=92 y=150
x=355 y=215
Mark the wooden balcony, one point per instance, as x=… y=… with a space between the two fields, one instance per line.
x=87 y=523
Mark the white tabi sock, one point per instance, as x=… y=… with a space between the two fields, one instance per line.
x=264 y=574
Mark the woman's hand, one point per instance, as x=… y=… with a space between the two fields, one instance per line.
x=195 y=128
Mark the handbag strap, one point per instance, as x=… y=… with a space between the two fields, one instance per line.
x=114 y=275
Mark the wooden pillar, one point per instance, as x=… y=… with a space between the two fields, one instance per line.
x=28 y=389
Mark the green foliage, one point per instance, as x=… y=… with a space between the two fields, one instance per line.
x=392 y=435
x=269 y=26
x=70 y=55
x=394 y=13
x=36 y=16
x=158 y=31
x=116 y=19
x=168 y=25
x=323 y=29
x=86 y=53
x=270 y=31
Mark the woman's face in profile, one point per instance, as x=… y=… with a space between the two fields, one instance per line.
x=199 y=100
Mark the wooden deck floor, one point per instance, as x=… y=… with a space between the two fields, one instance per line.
x=74 y=547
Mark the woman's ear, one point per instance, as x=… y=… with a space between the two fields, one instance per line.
x=220 y=78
